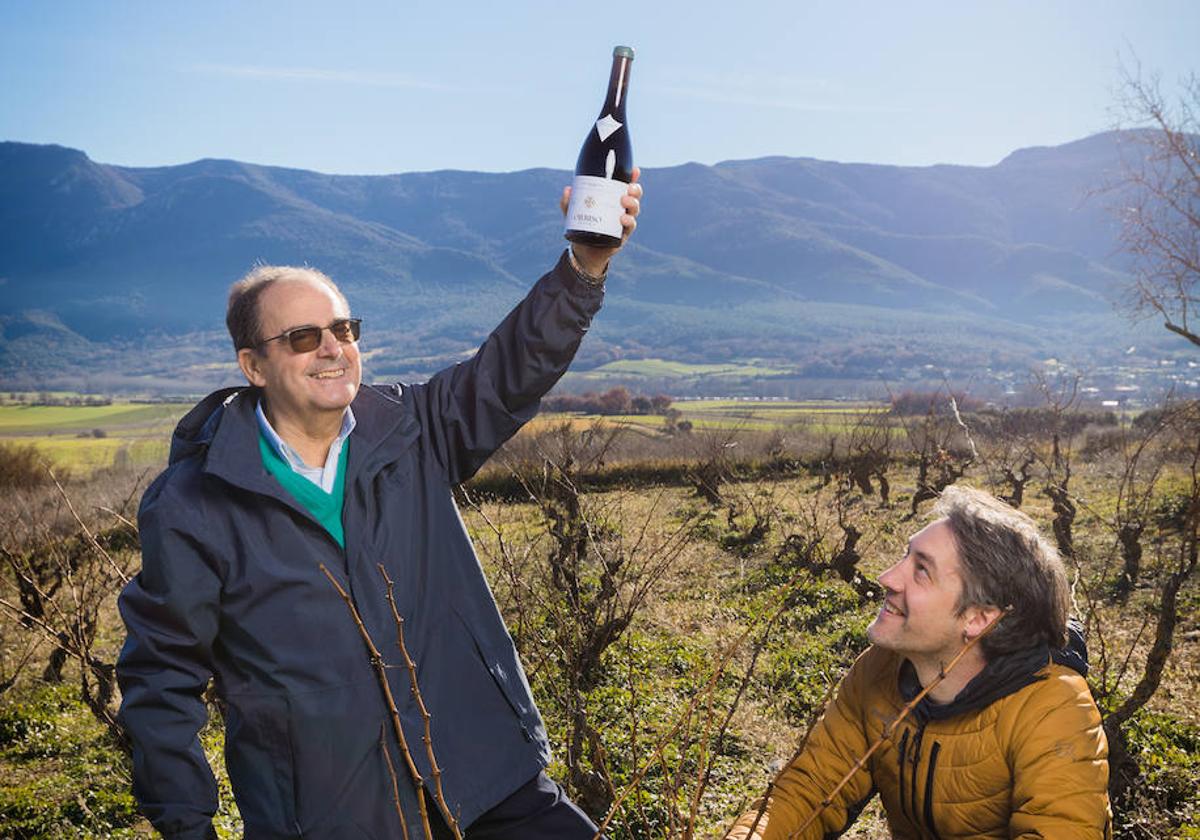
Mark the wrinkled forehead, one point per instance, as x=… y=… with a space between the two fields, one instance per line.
x=299 y=302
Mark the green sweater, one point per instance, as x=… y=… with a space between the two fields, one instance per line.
x=326 y=508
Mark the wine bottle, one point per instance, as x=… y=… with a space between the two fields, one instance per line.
x=605 y=166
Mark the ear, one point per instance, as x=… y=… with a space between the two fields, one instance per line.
x=251 y=364
x=976 y=619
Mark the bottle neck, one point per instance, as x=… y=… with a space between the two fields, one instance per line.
x=618 y=86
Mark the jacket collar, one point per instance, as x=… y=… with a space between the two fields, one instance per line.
x=224 y=428
x=1003 y=675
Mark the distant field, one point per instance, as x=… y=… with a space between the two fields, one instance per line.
x=818 y=416
x=139 y=434
x=129 y=433
x=659 y=368
x=40 y=419
x=83 y=456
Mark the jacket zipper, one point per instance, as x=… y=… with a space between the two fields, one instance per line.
x=902 y=752
x=933 y=756
x=916 y=762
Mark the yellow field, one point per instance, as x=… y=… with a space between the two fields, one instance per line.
x=83 y=456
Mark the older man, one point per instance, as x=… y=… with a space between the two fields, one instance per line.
x=1009 y=744
x=306 y=471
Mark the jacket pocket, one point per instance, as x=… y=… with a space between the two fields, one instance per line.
x=258 y=757
x=507 y=677
x=340 y=774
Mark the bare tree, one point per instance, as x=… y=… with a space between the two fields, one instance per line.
x=580 y=577
x=63 y=585
x=870 y=454
x=1176 y=550
x=1060 y=395
x=1009 y=454
x=1158 y=193
x=939 y=443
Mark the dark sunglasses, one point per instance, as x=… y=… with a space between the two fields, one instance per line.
x=307 y=339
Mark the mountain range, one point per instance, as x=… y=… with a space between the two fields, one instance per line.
x=812 y=268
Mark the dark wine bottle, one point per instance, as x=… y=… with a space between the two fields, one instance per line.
x=605 y=166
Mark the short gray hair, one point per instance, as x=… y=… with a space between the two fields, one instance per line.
x=1007 y=562
x=242 y=317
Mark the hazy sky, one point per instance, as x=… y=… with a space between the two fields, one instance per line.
x=371 y=87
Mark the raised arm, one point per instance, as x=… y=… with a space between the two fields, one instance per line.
x=469 y=410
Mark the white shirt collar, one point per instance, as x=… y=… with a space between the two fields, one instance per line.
x=325 y=476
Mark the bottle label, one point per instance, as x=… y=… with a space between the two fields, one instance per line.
x=606 y=126
x=596 y=205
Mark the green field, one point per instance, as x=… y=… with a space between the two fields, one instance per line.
x=83 y=439
x=661 y=368
x=41 y=419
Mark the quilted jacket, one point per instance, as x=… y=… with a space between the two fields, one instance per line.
x=1019 y=753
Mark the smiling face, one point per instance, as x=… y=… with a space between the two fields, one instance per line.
x=303 y=390
x=920 y=616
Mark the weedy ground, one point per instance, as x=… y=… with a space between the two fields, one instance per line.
x=709 y=687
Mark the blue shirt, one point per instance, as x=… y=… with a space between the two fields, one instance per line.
x=323 y=477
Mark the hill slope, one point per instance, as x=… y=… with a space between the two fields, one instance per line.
x=765 y=258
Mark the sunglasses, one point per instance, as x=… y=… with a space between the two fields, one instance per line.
x=307 y=339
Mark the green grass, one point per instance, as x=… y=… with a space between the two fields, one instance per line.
x=60 y=776
x=765 y=415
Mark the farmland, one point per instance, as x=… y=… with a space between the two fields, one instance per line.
x=88 y=438
x=668 y=369
x=724 y=538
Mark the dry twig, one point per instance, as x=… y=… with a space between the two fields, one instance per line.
x=709 y=688
x=818 y=710
x=87 y=531
x=381 y=673
x=416 y=693
x=387 y=756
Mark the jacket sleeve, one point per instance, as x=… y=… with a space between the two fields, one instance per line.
x=837 y=741
x=1059 y=760
x=170 y=612
x=469 y=410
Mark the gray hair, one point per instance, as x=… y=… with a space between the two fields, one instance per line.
x=242 y=317
x=1007 y=562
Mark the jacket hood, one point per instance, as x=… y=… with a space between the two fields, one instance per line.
x=222 y=430
x=1002 y=676
x=197 y=428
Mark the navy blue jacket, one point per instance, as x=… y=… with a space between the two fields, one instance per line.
x=230 y=588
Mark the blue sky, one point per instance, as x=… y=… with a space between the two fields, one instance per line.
x=372 y=87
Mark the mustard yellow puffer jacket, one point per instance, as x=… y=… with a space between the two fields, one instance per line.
x=1019 y=753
